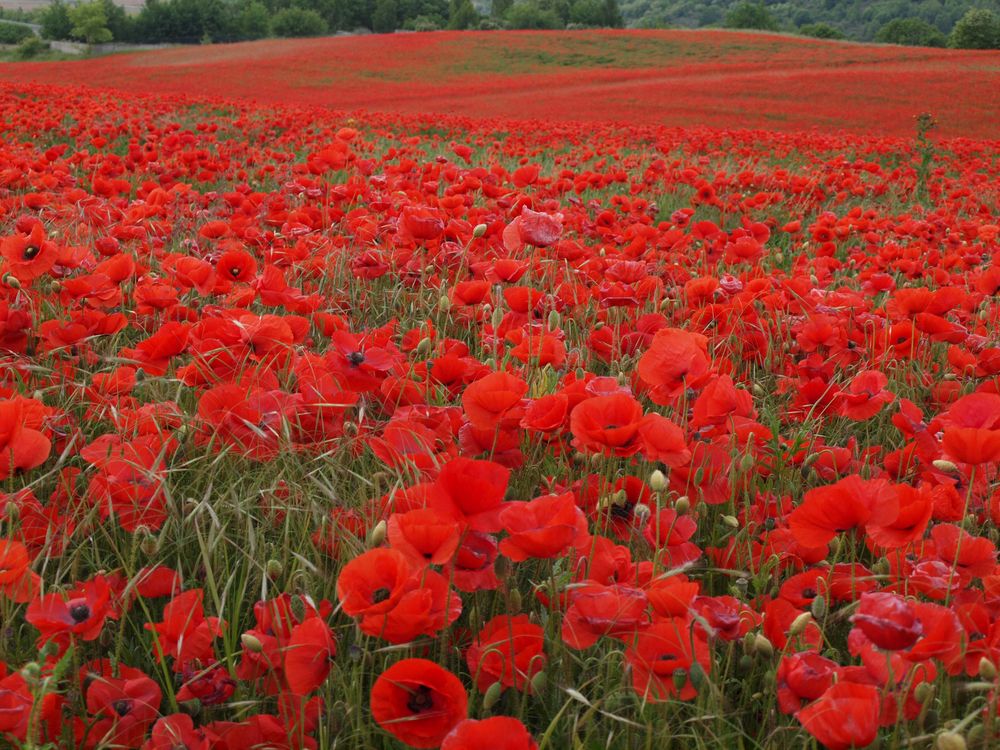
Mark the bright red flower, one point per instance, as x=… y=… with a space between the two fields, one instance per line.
x=668 y=648
x=508 y=650
x=844 y=717
x=542 y=528
x=496 y=733
x=418 y=702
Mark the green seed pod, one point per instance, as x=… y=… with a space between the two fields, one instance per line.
x=682 y=505
x=763 y=646
x=539 y=682
x=987 y=669
x=514 y=602
x=444 y=303
x=555 y=320
x=251 y=643
x=799 y=624
x=950 y=741
x=818 y=607
x=680 y=678
x=479 y=230
x=492 y=695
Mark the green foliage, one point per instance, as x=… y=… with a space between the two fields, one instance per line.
x=255 y=21
x=499 y=8
x=856 y=19
x=913 y=32
x=596 y=13
x=90 y=23
x=30 y=48
x=463 y=15
x=11 y=33
x=821 y=31
x=527 y=15
x=384 y=17
x=977 y=29
x=292 y=22
x=751 y=16
x=56 y=23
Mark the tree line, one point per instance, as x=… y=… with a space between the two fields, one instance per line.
x=203 y=21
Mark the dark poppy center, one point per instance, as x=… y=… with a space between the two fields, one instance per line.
x=421 y=700
x=356 y=358
x=79 y=612
x=235 y=272
x=380 y=595
x=809 y=593
x=31 y=251
x=122 y=707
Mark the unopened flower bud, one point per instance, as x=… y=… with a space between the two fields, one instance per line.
x=378 y=534
x=251 y=643
x=763 y=647
x=273 y=569
x=479 y=230
x=987 y=669
x=682 y=505
x=538 y=682
x=799 y=624
x=943 y=464
x=658 y=481
x=492 y=695
x=818 y=607
x=950 y=741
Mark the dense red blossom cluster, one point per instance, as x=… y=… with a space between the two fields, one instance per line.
x=691 y=397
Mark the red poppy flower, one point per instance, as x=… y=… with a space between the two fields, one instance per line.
x=508 y=650
x=124 y=707
x=185 y=633
x=30 y=255
x=972 y=429
x=542 y=528
x=888 y=620
x=667 y=649
x=607 y=425
x=495 y=401
x=803 y=677
x=472 y=492
x=850 y=503
x=80 y=612
x=418 y=702
x=845 y=716
x=676 y=360
x=176 y=731
x=309 y=655
x=496 y=733
x=596 y=611
x=425 y=535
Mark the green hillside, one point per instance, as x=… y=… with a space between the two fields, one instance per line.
x=856 y=19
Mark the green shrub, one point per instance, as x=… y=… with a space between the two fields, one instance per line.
x=292 y=22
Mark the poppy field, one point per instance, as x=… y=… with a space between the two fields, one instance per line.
x=391 y=430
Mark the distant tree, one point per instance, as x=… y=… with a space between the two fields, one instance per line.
x=499 y=8
x=528 y=15
x=90 y=24
x=821 y=31
x=463 y=15
x=294 y=21
x=12 y=33
x=751 y=16
x=913 y=32
x=604 y=13
x=254 y=21
x=31 y=48
x=56 y=23
x=385 y=17
x=977 y=29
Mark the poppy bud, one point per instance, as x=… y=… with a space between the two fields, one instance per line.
x=835 y=546
x=778 y=257
x=251 y=643
x=745 y=663
x=758 y=389
x=147 y=542
x=658 y=481
x=680 y=678
x=923 y=692
x=682 y=505
x=555 y=320
x=492 y=695
x=943 y=464
x=818 y=607
x=762 y=646
x=746 y=463
x=378 y=534
x=11 y=281
x=538 y=682
x=31 y=673
x=731 y=521
x=698 y=675
x=350 y=428
x=444 y=303
x=799 y=624
x=950 y=741
x=987 y=669
x=423 y=347
x=479 y=230
x=502 y=567
x=497 y=318
x=273 y=569
x=514 y=602
x=641 y=512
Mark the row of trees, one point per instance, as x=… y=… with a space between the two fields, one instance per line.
x=192 y=21
x=978 y=28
